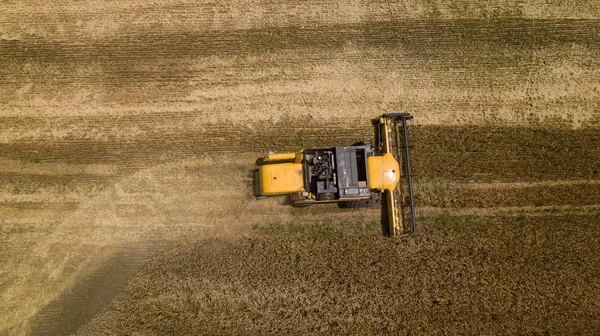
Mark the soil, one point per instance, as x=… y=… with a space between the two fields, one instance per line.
x=129 y=129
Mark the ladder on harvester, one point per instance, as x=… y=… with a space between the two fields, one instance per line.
x=397 y=210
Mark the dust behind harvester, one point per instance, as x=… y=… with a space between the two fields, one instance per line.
x=353 y=176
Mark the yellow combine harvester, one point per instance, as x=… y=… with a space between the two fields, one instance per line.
x=352 y=176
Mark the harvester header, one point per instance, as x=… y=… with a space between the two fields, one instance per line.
x=391 y=137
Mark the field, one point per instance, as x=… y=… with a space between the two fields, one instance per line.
x=129 y=130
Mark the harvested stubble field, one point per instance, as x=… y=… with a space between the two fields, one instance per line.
x=128 y=130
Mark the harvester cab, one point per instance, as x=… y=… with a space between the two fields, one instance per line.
x=352 y=176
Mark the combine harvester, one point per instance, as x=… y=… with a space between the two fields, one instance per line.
x=352 y=176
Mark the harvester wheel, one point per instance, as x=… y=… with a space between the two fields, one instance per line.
x=365 y=203
x=326 y=196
